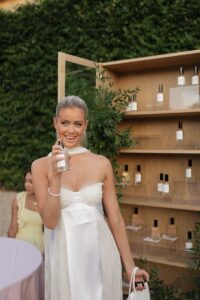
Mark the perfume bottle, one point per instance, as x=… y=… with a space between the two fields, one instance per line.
x=133 y=103
x=195 y=76
x=138 y=175
x=166 y=184
x=179 y=132
x=125 y=175
x=160 y=95
x=135 y=218
x=188 y=243
x=61 y=163
x=171 y=228
x=155 y=231
x=160 y=183
x=188 y=170
x=181 y=77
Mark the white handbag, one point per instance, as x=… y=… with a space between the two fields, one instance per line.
x=137 y=295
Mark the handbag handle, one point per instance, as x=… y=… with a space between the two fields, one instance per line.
x=132 y=282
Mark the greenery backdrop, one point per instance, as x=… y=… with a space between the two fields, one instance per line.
x=105 y=30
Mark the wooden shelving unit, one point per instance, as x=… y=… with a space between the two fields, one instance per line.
x=157 y=151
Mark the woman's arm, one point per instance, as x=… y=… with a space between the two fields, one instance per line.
x=13 y=225
x=117 y=225
x=48 y=205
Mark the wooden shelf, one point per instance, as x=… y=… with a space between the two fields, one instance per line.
x=153 y=62
x=161 y=256
x=162 y=203
x=155 y=151
x=162 y=113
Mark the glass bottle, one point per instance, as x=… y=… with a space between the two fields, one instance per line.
x=160 y=183
x=155 y=231
x=135 y=218
x=160 y=95
x=195 y=76
x=125 y=176
x=171 y=228
x=181 y=77
x=188 y=243
x=138 y=175
x=179 y=132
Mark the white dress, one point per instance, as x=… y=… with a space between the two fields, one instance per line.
x=82 y=260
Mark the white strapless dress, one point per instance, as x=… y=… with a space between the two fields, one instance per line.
x=82 y=260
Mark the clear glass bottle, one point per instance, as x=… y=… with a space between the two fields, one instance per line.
x=138 y=175
x=172 y=228
x=195 y=76
x=188 y=170
x=160 y=95
x=133 y=103
x=188 y=243
x=61 y=164
x=125 y=176
x=166 y=185
x=155 y=231
x=179 y=132
x=135 y=218
x=160 y=183
x=181 y=77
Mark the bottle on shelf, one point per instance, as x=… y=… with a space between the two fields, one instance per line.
x=138 y=175
x=135 y=218
x=195 y=76
x=188 y=170
x=133 y=103
x=188 y=243
x=166 y=185
x=179 y=132
x=160 y=95
x=160 y=183
x=181 y=77
x=125 y=176
x=171 y=228
x=155 y=231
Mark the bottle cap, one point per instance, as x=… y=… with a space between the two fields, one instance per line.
x=155 y=223
x=180 y=125
x=196 y=70
x=160 y=88
x=181 y=70
x=189 y=234
x=126 y=168
x=189 y=162
x=161 y=176
x=136 y=210
x=134 y=97
x=172 y=221
x=138 y=168
x=166 y=177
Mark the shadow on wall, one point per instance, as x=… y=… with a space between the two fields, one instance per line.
x=6 y=198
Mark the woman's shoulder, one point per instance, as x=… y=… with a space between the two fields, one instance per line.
x=101 y=159
x=41 y=161
x=20 y=197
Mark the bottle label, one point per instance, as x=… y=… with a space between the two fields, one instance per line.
x=160 y=97
x=188 y=245
x=128 y=107
x=160 y=187
x=133 y=105
x=181 y=80
x=61 y=165
x=188 y=173
x=179 y=134
x=138 y=178
x=166 y=188
x=195 y=79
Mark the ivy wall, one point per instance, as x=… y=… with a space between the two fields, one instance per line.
x=30 y=39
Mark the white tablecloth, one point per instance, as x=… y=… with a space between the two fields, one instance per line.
x=20 y=264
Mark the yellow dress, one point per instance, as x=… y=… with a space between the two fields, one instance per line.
x=30 y=226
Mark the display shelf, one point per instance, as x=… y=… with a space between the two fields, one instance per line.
x=161 y=255
x=162 y=113
x=157 y=151
x=162 y=203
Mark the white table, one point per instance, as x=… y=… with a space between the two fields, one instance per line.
x=20 y=264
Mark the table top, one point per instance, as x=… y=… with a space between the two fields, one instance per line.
x=18 y=260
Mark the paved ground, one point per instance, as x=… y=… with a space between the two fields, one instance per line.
x=6 y=198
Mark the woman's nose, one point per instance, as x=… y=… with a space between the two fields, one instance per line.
x=71 y=128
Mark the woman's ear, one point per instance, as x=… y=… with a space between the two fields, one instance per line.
x=55 y=122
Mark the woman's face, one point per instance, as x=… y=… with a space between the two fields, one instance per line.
x=28 y=184
x=71 y=125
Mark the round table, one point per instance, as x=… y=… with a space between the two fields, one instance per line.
x=20 y=264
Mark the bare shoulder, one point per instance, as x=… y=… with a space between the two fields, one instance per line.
x=102 y=160
x=40 y=164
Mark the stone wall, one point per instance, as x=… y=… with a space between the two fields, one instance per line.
x=6 y=198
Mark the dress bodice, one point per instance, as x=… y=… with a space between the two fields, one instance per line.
x=90 y=194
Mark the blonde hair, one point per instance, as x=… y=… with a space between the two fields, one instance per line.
x=72 y=101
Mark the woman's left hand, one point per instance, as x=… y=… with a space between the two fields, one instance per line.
x=140 y=277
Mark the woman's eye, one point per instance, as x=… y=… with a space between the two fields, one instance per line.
x=78 y=124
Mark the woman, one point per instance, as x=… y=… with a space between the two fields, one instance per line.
x=84 y=257
x=26 y=222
